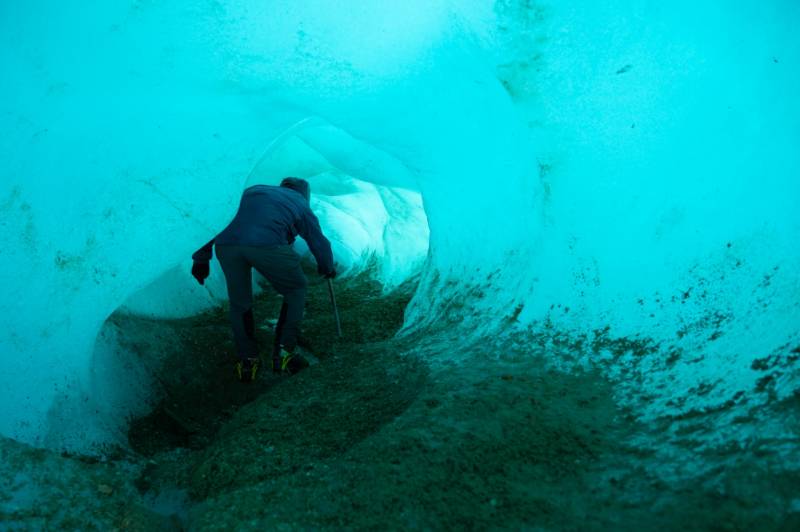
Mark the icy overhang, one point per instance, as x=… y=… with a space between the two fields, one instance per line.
x=615 y=167
x=131 y=129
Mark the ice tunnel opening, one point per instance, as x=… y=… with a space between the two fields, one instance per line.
x=368 y=207
x=660 y=249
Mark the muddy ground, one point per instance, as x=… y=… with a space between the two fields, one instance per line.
x=382 y=434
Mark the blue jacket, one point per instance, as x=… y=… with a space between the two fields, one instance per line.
x=273 y=216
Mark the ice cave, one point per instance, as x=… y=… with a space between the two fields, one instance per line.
x=566 y=244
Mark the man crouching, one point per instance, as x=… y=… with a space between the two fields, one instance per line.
x=261 y=237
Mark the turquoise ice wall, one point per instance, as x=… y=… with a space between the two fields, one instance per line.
x=633 y=162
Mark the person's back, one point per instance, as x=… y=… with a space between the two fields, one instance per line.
x=266 y=217
x=260 y=237
x=271 y=216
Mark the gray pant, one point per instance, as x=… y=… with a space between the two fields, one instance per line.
x=280 y=265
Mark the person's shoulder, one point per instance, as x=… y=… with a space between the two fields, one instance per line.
x=261 y=189
x=282 y=195
x=292 y=196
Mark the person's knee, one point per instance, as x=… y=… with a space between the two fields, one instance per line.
x=295 y=294
x=239 y=310
x=249 y=323
x=289 y=285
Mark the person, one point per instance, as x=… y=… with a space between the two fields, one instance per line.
x=261 y=237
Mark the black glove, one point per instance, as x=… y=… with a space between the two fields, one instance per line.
x=200 y=271
x=330 y=275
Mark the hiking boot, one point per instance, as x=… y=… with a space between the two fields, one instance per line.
x=288 y=362
x=246 y=369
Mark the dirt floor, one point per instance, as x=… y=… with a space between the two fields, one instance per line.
x=382 y=434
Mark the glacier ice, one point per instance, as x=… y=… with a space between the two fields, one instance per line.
x=612 y=171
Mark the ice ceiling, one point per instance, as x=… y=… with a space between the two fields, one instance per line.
x=625 y=167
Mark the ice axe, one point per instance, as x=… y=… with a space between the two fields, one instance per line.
x=335 y=308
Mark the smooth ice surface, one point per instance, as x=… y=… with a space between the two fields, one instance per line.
x=626 y=165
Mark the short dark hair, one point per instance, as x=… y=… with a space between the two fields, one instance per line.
x=298 y=185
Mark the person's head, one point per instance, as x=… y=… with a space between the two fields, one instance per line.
x=298 y=185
